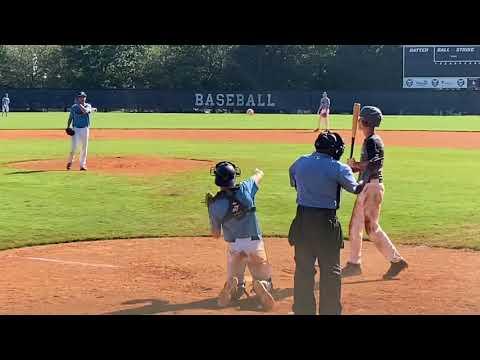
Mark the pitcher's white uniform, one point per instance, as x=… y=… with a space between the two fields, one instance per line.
x=80 y=118
x=80 y=138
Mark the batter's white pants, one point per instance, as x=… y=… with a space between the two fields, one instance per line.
x=5 y=109
x=246 y=251
x=366 y=214
x=80 y=138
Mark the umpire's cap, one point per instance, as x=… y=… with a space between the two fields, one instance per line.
x=225 y=173
x=371 y=115
x=330 y=143
x=81 y=94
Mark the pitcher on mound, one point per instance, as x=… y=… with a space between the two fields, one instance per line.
x=80 y=120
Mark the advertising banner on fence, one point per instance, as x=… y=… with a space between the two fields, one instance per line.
x=435 y=83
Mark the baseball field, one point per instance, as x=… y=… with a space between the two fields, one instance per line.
x=142 y=195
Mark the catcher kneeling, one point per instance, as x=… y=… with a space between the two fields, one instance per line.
x=232 y=210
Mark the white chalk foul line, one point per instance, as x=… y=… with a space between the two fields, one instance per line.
x=72 y=262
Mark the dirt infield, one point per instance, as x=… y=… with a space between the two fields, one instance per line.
x=185 y=275
x=460 y=140
x=119 y=165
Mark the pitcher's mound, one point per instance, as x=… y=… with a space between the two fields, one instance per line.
x=127 y=165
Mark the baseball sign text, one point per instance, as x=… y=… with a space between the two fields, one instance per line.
x=250 y=100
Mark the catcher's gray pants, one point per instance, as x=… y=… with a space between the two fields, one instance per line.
x=247 y=252
x=80 y=137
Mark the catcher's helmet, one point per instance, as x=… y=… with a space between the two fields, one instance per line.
x=330 y=143
x=371 y=116
x=225 y=173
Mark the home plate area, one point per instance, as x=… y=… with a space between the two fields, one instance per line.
x=185 y=275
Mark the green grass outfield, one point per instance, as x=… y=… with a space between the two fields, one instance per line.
x=430 y=193
x=57 y=120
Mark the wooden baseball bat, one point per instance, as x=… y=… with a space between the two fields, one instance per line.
x=356 y=114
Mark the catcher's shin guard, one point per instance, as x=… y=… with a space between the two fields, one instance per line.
x=240 y=291
x=263 y=290
x=225 y=297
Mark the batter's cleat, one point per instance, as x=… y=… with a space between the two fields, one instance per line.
x=265 y=297
x=395 y=269
x=83 y=169
x=69 y=165
x=351 y=269
x=225 y=297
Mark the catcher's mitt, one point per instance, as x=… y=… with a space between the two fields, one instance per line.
x=208 y=199
x=70 y=131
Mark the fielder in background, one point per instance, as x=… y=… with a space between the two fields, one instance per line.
x=80 y=120
x=315 y=231
x=5 y=105
x=366 y=211
x=323 y=113
x=232 y=210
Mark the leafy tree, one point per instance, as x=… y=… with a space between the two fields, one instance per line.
x=104 y=66
x=29 y=66
x=202 y=67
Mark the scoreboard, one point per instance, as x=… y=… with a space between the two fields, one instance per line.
x=441 y=66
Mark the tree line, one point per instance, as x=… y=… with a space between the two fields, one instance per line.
x=202 y=67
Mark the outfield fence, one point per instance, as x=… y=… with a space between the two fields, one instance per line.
x=405 y=101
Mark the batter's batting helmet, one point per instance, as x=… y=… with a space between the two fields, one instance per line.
x=371 y=116
x=225 y=173
x=330 y=143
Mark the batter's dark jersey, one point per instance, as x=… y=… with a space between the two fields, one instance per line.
x=373 y=151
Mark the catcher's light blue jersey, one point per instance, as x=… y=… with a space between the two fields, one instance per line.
x=236 y=228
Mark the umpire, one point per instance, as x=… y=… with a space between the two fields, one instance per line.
x=316 y=232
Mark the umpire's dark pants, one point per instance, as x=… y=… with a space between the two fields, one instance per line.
x=319 y=236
